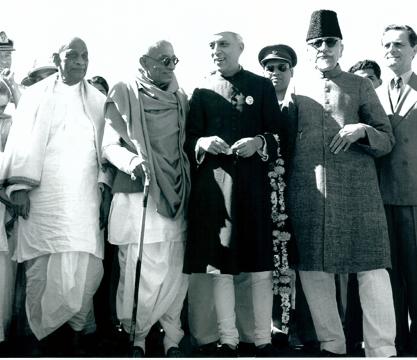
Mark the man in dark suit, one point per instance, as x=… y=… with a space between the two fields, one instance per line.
x=398 y=178
x=231 y=145
x=278 y=62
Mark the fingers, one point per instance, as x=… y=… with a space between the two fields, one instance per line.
x=23 y=210
x=335 y=139
x=341 y=141
x=346 y=146
x=21 y=202
x=245 y=147
x=220 y=145
x=215 y=145
x=339 y=144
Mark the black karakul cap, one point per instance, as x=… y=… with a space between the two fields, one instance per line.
x=323 y=23
x=278 y=52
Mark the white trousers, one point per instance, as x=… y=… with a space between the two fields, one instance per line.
x=202 y=318
x=7 y=285
x=60 y=289
x=377 y=306
x=261 y=298
x=162 y=290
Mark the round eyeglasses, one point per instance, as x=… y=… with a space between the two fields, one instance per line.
x=166 y=60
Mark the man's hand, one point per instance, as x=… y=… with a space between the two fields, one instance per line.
x=142 y=171
x=346 y=136
x=246 y=147
x=213 y=145
x=21 y=202
x=106 y=197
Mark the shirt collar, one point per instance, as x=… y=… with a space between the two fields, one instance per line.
x=404 y=77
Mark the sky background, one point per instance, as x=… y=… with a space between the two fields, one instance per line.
x=116 y=30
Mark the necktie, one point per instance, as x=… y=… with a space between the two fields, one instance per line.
x=398 y=84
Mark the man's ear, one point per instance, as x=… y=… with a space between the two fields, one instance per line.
x=142 y=62
x=56 y=59
x=414 y=51
x=341 y=49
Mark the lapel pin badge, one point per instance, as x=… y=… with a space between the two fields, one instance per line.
x=249 y=100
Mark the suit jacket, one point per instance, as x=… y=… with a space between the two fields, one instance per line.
x=398 y=169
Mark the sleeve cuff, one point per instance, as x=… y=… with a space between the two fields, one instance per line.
x=136 y=160
x=199 y=154
x=263 y=151
x=16 y=187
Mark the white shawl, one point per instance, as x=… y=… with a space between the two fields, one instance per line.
x=25 y=149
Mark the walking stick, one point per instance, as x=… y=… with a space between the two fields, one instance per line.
x=139 y=264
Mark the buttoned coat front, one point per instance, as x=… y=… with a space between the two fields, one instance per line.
x=334 y=201
x=229 y=222
x=398 y=169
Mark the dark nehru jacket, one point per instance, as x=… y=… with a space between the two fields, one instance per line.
x=230 y=226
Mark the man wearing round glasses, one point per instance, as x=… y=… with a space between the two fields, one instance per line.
x=334 y=202
x=144 y=137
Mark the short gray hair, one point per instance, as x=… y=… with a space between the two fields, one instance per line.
x=237 y=36
x=155 y=45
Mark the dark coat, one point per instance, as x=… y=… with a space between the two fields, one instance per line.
x=398 y=169
x=230 y=207
x=334 y=201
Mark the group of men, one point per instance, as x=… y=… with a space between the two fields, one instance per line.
x=222 y=211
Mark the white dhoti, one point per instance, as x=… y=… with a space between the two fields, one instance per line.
x=60 y=289
x=162 y=290
x=163 y=286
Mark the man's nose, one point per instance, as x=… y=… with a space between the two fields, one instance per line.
x=81 y=60
x=216 y=49
x=323 y=46
x=171 y=65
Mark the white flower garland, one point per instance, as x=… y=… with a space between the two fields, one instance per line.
x=281 y=279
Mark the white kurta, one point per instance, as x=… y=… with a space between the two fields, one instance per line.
x=64 y=209
x=126 y=217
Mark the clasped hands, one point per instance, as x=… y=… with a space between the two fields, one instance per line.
x=244 y=147
x=346 y=136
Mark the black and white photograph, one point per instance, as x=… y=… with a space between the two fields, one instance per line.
x=208 y=179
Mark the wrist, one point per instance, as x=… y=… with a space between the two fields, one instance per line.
x=259 y=142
